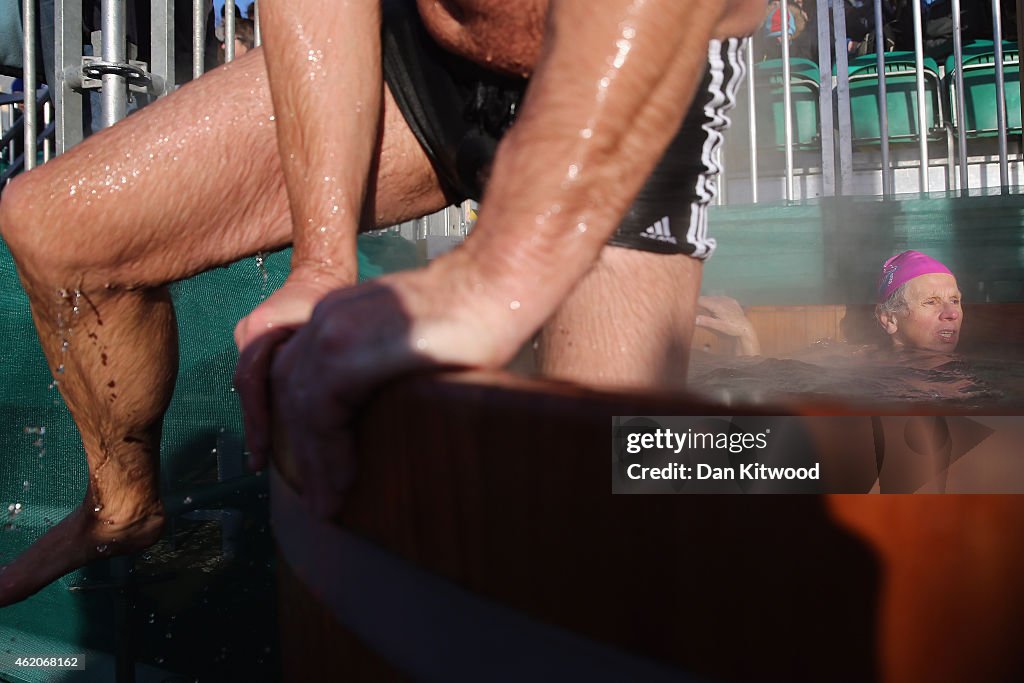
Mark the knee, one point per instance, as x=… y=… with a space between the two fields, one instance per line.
x=36 y=233
x=14 y=210
x=20 y=225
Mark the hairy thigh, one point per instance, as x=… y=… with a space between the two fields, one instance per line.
x=193 y=182
x=627 y=323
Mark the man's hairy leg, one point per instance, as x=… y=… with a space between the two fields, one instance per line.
x=629 y=322
x=189 y=183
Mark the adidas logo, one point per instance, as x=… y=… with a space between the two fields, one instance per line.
x=660 y=231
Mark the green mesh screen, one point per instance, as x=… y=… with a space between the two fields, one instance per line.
x=43 y=472
x=829 y=251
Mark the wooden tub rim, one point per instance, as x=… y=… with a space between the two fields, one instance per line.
x=426 y=625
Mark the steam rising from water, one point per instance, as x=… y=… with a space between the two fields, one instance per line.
x=861 y=376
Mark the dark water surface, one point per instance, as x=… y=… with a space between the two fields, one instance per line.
x=864 y=376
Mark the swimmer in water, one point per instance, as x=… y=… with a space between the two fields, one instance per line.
x=360 y=115
x=919 y=308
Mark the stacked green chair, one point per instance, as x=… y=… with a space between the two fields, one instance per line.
x=900 y=98
x=804 y=88
x=979 y=64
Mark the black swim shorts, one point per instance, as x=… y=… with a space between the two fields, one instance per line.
x=459 y=111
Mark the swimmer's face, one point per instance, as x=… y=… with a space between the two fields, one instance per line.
x=934 y=316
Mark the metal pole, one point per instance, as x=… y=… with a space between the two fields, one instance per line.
x=258 y=38
x=67 y=96
x=29 y=64
x=997 y=39
x=1020 y=41
x=5 y=125
x=229 y=30
x=883 y=102
x=162 y=43
x=11 y=116
x=828 y=154
x=922 y=123
x=47 y=119
x=843 y=93
x=198 y=38
x=961 y=107
x=115 y=92
x=787 y=98
x=752 y=120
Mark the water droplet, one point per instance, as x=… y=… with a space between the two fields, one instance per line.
x=421 y=343
x=97 y=508
x=188 y=500
x=102 y=548
x=581 y=227
x=514 y=305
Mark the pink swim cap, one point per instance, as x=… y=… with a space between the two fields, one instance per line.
x=904 y=267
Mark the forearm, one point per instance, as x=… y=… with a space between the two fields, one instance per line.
x=323 y=61
x=606 y=98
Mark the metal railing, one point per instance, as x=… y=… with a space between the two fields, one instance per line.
x=840 y=166
x=114 y=74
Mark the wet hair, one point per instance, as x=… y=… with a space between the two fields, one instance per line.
x=896 y=304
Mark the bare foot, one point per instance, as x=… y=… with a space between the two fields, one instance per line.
x=89 y=533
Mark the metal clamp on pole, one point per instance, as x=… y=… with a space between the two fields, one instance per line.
x=133 y=71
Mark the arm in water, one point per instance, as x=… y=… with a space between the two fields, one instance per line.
x=725 y=316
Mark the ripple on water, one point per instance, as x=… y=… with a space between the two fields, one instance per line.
x=860 y=376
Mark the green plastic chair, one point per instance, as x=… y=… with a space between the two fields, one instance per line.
x=900 y=98
x=979 y=63
x=804 y=89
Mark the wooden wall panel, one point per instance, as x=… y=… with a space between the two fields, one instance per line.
x=785 y=330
